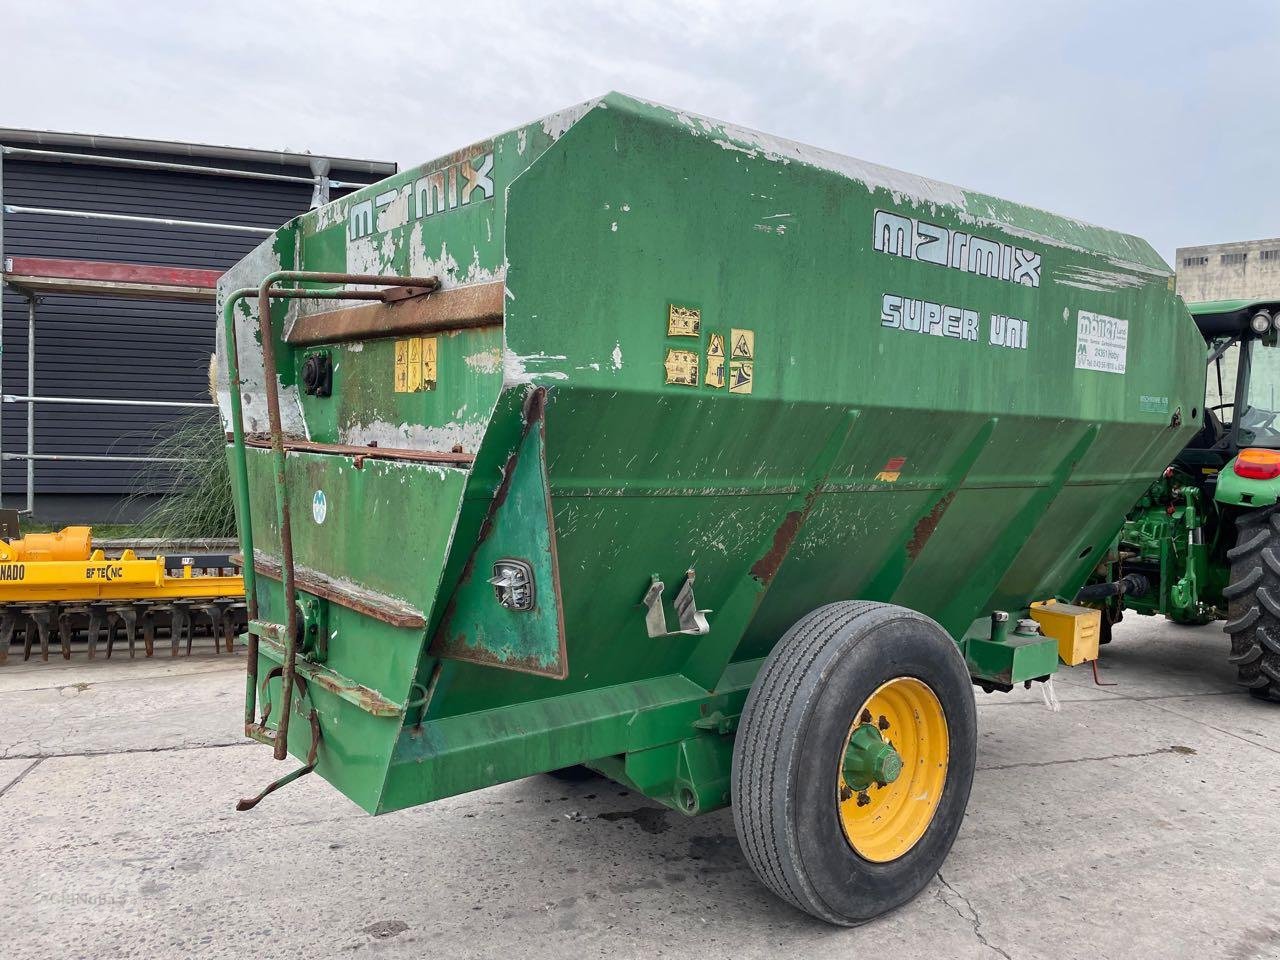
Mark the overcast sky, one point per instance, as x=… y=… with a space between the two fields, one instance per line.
x=1158 y=118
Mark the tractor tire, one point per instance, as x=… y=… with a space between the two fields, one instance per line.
x=1253 y=603
x=840 y=848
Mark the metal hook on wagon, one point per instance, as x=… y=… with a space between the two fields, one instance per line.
x=260 y=732
x=692 y=620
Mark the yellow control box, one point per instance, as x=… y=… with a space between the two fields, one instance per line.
x=1075 y=628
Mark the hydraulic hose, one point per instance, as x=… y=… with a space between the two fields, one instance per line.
x=1134 y=583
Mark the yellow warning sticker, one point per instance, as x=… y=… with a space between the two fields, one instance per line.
x=892 y=470
x=740 y=376
x=682 y=367
x=742 y=345
x=402 y=366
x=715 y=361
x=415 y=365
x=683 y=321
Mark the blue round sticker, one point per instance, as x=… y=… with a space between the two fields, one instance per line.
x=319 y=507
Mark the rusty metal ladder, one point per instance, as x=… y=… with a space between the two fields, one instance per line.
x=392 y=289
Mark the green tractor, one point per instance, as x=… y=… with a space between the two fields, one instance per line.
x=1203 y=543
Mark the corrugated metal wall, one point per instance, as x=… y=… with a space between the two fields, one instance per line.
x=114 y=347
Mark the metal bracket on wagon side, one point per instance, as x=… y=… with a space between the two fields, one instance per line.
x=692 y=620
x=513 y=620
x=262 y=734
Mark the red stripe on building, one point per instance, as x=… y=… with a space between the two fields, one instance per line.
x=102 y=272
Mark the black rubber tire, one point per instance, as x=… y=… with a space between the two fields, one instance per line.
x=1253 y=603
x=786 y=757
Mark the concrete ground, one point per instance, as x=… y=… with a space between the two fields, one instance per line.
x=1141 y=820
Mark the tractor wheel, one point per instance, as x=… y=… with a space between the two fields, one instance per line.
x=1253 y=602
x=853 y=760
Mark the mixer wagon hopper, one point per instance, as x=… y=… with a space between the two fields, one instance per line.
x=720 y=464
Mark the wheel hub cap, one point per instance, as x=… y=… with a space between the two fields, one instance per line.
x=893 y=769
x=869 y=759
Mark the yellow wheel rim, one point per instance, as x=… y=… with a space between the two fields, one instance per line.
x=883 y=820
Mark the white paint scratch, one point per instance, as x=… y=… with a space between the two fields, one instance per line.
x=486 y=361
x=557 y=124
x=515 y=368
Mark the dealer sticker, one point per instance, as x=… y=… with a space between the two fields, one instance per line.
x=1102 y=343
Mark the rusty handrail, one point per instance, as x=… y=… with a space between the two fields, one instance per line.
x=240 y=476
x=396 y=290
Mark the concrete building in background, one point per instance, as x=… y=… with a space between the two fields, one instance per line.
x=1246 y=270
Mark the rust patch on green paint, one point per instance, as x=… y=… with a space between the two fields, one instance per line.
x=927 y=524
x=766 y=568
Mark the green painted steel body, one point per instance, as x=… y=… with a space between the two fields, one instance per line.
x=977 y=467
x=1237 y=491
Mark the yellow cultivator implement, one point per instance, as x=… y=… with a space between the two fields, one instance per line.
x=56 y=583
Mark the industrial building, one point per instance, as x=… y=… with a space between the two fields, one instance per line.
x=1245 y=270
x=109 y=250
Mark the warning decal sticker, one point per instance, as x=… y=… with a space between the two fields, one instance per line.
x=682 y=367
x=715 y=361
x=684 y=322
x=1102 y=343
x=892 y=470
x=742 y=355
x=415 y=365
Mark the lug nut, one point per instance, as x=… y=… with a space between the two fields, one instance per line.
x=883 y=723
x=866 y=716
x=863 y=798
x=845 y=793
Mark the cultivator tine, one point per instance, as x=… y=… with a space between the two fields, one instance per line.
x=39 y=618
x=112 y=620
x=236 y=620
x=227 y=625
x=213 y=611
x=148 y=629
x=128 y=617
x=65 y=631
x=94 y=630
x=179 y=625
x=8 y=622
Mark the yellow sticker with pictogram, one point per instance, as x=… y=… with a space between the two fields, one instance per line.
x=682 y=367
x=715 y=361
x=415 y=365
x=683 y=321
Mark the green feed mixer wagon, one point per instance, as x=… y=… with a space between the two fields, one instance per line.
x=1203 y=543
x=722 y=465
